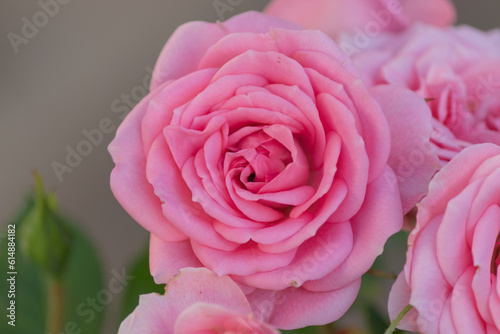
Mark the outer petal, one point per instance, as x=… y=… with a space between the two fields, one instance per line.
x=412 y=156
x=185 y=48
x=128 y=178
x=297 y=307
x=399 y=298
x=166 y=259
x=208 y=318
x=157 y=313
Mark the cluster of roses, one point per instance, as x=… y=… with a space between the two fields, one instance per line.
x=271 y=166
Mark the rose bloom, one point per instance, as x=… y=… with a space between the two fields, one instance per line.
x=195 y=301
x=366 y=17
x=259 y=154
x=457 y=69
x=453 y=260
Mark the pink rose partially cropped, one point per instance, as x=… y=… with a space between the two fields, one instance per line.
x=260 y=154
x=457 y=69
x=453 y=260
x=195 y=301
x=363 y=17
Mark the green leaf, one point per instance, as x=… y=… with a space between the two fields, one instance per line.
x=82 y=279
x=306 y=330
x=142 y=283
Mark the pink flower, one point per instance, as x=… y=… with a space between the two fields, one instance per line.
x=451 y=273
x=195 y=301
x=457 y=69
x=362 y=17
x=259 y=154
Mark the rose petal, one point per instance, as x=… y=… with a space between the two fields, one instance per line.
x=245 y=260
x=412 y=157
x=128 y=179
x=296 y=307
x=185 y=48
x=157 y=314
x=315 y=258
x=167 y=258
x=463 y=306
x=179 y=205
x=382 y=209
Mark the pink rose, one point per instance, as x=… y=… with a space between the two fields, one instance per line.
x=363 y=18
x=259 y=154
x=195 y=301
x=457 y=69
x=451 y=273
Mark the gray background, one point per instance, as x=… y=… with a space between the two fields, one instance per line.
x=65 y=79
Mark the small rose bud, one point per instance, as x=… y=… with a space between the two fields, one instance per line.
x=45 y=237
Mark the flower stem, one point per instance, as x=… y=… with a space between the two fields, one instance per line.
x=396 y=321
x=382 y=274
x=55 y=301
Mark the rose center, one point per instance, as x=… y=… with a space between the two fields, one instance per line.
x=251 y=177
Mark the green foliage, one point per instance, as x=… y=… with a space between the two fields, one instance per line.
x=81 y=277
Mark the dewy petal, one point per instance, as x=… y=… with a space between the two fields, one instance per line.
x=128 y=179
x=167 y=258
x=412 y=157
x=378 y=219
x=158 y=313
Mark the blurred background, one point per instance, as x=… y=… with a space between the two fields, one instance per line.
x=63 y=80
